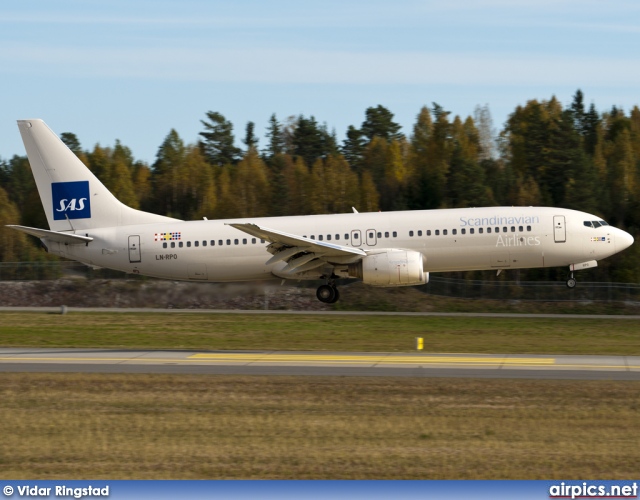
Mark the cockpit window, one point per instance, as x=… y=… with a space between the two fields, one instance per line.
x=595 y=223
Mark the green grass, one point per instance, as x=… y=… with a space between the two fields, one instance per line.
x=107 y=426
x=317 y=332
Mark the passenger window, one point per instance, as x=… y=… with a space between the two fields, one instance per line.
x=164 y=245
x=337 y=237
x=379 y=234
x=480 y=230
x=261 y=241
x=204 y=243
x=428 y=232
x=471 y=231
x=454 y=231
x=488 y=230
x=213 y=243
x=520 y=228
x=173 y=244
x=228 y=242
x=188 y=244
x=346 y=236
x=420 y=233
x=253 y=241
x=244 y=241
x=196 y=243
x=394 y=234
x=386 y=234
x=411 y=234
x=220 y=242
x=528 y=228
x=497 y=230
x=236 y=241
x=320 y=237
x=437 y=232
x=463 y=231
x=513 y=229
x=328 y=237
x=180 y=244
x=504 y=229
x=444 y=232
x=356 y=236
x=313 y=236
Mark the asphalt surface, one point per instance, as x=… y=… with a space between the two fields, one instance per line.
x=416 y=364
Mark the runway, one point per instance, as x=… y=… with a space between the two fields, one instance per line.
x=320 y=363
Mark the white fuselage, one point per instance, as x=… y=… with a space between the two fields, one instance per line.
x=450 y=240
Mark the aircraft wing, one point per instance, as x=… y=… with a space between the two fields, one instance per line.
x=67 y=238
x=300 y=253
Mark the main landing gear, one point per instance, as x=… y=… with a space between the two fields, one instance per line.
x=328 y=293
x=571 y=281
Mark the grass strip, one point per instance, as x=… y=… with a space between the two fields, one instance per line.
x=108 y=426
x=317 y=332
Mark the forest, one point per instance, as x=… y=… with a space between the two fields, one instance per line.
x=546 y=154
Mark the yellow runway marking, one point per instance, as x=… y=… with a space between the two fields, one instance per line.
x=267 y=358
x=330 y=358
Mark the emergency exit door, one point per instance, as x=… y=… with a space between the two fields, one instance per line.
x=134 y=248
x=559 y=229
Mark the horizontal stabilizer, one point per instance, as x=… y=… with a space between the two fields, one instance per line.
x=67 y=238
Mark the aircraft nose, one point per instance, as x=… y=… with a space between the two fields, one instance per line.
x=623 y=240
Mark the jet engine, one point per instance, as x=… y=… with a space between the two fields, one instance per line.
x=391 y=268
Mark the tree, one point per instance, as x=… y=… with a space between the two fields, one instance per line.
x=165 y=181
x=311 y=141
x=486 y=133
x=353 y=147
x=275 y=137
x=379 y=123
x=250 y=140
x=72 y=142
x=218 y=144
x=12 y=243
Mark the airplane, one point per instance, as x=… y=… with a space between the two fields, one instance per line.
x=388 y=249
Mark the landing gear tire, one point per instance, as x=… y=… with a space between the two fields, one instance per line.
x=327 y=294
x=571 y=282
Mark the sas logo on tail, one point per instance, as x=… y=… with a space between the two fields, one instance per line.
x=71 y=199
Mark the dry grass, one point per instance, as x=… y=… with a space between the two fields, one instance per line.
x=318 y=332
x=73 y=426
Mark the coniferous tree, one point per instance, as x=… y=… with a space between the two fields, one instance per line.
x=250 y=139
x=379 y=123
x=218 y=140
x=353 y=147
x=72 y=142
x=275 y=138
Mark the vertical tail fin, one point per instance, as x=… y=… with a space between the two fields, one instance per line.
x=72 y=197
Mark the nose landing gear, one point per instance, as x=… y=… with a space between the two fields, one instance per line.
x=571 y=281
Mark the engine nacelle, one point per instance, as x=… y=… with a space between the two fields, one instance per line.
x=391 y=268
